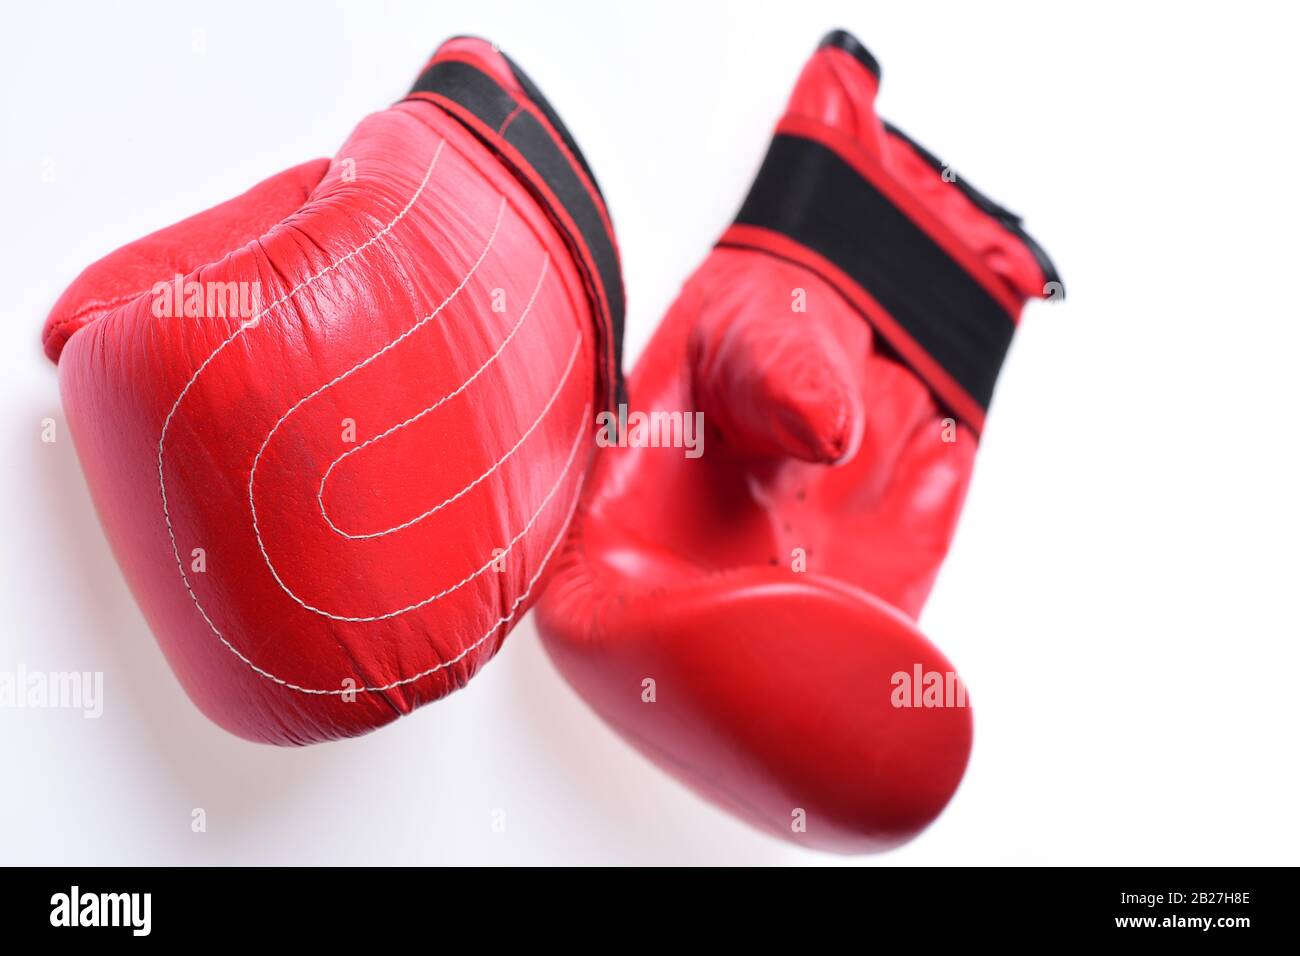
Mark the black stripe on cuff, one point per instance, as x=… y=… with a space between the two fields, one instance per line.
x=806 y=192
x=478 y=93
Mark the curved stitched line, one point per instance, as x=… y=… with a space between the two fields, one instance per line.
x=501 y=621
x=568 y=369
x=320 y=494
x=445 y=591
x=162 y=438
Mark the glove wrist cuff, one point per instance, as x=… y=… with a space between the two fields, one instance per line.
x=824 y=202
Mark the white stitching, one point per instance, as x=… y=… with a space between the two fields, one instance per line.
x=252 y=474
x=564 y=378
x=320 y=494
x=162 y=485
x=167 y=422
x=254 y=320
x=443 y=593
x=504 y=619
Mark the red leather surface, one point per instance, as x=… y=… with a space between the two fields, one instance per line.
x=393 y=563
x=772 y=685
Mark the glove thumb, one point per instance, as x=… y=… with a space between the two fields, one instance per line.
x=769 y=371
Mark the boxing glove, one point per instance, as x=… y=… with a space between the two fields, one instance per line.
x=742 y=609
x=335 y=427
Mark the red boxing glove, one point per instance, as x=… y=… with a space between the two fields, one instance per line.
x=746 y=616
x=335 y=428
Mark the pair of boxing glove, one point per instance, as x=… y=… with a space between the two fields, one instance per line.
x=343 y=430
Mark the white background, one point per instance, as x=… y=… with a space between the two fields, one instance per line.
x=1121 y=597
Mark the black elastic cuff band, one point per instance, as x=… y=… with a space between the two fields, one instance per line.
x=494 y=107
x=808 y=193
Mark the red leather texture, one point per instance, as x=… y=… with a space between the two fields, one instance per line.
x=742 y=616
x=332 y=510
